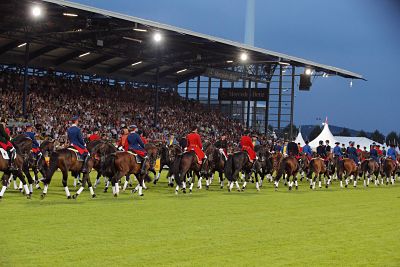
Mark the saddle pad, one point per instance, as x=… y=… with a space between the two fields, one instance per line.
x=4 y=154
x=138 y=160
x=78 y=156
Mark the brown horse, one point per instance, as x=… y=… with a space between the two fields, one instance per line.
x=368 y=167
x=318 y=167
x=21 y=157
x=288 y=167
x=214 y=160
x=347 y=167
x=127 y=163
x=168 y=154
x=67 y=160
x=304 y=166
x=388 y=170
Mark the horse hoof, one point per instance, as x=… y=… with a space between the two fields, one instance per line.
x=184 y=191
x=141 y=195
x=190 y=191
x=207 y=187
x=94 y=196
x=221 y=187
x=285 y=184
x=38 y=188
x=290 y=188
x=28 y=196
x=1 y=197
x=326 y=186
x=176 y=192
x=297 y=188
x=42 y=196
x=75 y=196
x=154 y=182
x=68 y=197
x=310 y=186
x=345 y=186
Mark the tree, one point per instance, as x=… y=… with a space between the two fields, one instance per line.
x=286 y=131
x=362 y=133
x=392 y=138
x=345 y=132
x=314 y=133
x=378 y=137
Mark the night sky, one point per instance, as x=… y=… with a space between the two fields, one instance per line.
x=362 y=36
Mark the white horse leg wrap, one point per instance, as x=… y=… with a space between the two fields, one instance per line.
x=75 y=182
x=183 y=185
x=80 y=190
x=20 y=185
x=108 y=184
x=26 y=189
x=257 y=186
x=3 y=189
x=244 y=184
x=125 y=185
x=67 y=191
x=116 y=188
x=355 y=182
x=313 y=185
x=341 y=183
x=45 y=189
x=140 y=191
x=176 y=189
x=319 y=184
x=113 y=189
x=158 y=176
x=237 y=185
x=31 y=188
x=199 y=183
x=91 y=191
x=15 y=185
x=191 y=186
x=347 y=181
x=231 y=186
x=207 y=182
x=296 y=183
x=144 y=185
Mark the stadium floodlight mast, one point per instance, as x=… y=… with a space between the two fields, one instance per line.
x=157 y=37
x=36 y=11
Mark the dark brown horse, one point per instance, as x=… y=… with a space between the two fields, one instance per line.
x=213 y=161
x=318 y=167
x=184 y=164
x=237 y=162
x=99 y=150
x=345 y=168
x=369 y=166
x=288 y=167
x=22 y=150
x=388 y=170
x=168 y=154
x=264 y=165
x=66 y=160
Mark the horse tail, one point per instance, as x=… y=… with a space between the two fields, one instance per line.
x=281 y=169
x=228 y=169
x=109 y=165
x=53 y=166
x=175 y=167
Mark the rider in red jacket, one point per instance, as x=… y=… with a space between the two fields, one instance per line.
x=194 y=143
x=247 y=145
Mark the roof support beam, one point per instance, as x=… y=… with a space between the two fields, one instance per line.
x=144 y=69
x=170 y=71
x=41 y=51
x=96 y=61
x=189 y=76
x=9 y=46
x=67 y=57
x=121 y=65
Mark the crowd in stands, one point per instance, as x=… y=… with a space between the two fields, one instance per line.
x=53 y=100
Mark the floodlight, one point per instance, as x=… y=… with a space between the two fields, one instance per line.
x=157 y=37
x=36 y=11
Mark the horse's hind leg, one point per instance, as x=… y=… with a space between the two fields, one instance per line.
x=4 y=183
x=21 y=177
x=29 y=177
x=296 y=184
x=65 y=184
x=97 y=182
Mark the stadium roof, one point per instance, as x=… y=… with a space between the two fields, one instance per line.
x=75 y=38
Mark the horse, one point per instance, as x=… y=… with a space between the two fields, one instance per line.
x=168 y=154
x=99 y=150
x=236 y=163
x=346 y=167
x=318 y=167
x=123 y=163
x=19 y=162
x=304 y=165
x=66 y=159
x=212 y=163
x=288 y=166
x=263 y=166
x=369 y=166
x=388 y=170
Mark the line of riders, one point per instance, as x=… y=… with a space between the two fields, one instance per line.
x=134 y=155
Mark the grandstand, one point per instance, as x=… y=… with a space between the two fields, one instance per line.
x=80 y=42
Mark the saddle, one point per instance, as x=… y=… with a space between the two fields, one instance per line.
x=138 y=158
x=5 y=155
x=79 y=157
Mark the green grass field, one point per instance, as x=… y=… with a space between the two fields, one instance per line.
x=334 y=226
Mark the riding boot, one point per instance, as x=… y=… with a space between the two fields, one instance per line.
x=85 y=163
x=143 y=168
x=11 y=155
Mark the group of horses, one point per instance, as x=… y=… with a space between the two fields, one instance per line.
x=183 y=168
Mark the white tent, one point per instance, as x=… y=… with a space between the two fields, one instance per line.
x=323 y=136
x=362 y=141
x=299 y=139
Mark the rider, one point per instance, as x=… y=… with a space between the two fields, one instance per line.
x=321 y=150
x=142 y=136
x=327 y=146
x=122 y=143
x=6 y=144
x=94 y=136
x=374 y=153
x=292 y=149
x=307 y=150
x=352 y=153
x=172 y=140
x=392 y=153
x=35 y=145
x=247 y=145
x=76 y=140
x=194 y=143
x=136 y=145
x=337 y=152
x=222 y=145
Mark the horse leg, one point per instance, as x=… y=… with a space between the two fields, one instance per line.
x=21 y=177
x=257 y=181
x=140 y=179
x=354 y=177
x=97 y=182
x=221 y=179
x=126 y=183
x=4 y=183
x=290 y=183
x=296 y=184
x=65 y=184
x=29 y=177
